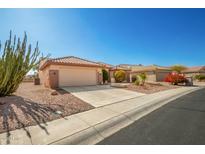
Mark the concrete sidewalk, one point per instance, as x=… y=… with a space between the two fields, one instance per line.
x=92 y=126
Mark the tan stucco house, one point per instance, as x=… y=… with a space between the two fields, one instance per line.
x=69 y=71
x=154 y=73
x=192 y=71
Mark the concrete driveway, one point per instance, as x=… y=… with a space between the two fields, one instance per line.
x=101 y=95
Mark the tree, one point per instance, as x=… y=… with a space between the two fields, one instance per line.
x=105 y=75
x=178 y=68
x=16 y=61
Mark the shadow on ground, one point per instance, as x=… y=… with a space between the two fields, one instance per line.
x=17 y=112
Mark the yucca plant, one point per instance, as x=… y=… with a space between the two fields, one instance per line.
x=16 y=60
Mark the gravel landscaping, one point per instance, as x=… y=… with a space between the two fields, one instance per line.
x=34 y=105
x=150 y=88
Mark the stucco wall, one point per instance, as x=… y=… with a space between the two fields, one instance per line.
x=73 y=75
x=44 y=75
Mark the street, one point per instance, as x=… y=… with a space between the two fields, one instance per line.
x=181 y=121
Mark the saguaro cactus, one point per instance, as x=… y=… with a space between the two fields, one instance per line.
x=16 y=61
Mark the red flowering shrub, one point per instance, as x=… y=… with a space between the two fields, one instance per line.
x=175 y=78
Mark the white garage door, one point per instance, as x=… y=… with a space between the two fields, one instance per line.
x=77 y=77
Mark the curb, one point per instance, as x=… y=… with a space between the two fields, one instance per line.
x=98 y=132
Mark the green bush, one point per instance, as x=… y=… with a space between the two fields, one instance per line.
x=105 y=75
x=137 y=81
x=120 y=76
x=200 y=77
x=143 y=77
x=140 y=79
x=16 y=61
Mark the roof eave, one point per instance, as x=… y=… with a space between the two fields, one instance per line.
x=46 y=64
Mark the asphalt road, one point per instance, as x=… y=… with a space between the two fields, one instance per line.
x=179 y=122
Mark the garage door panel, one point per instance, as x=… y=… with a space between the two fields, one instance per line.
x=77 y=77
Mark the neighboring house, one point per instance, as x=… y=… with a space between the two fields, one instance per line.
x=154 y=73
x=70 y=71
x=192 y=71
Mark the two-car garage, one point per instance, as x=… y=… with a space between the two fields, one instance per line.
x=77 y=76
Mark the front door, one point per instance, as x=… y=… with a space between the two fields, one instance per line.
x=53 y=77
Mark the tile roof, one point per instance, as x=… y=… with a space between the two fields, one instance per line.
x=70 y=60
x=194 y=69
x=149 y=68
x=105 y=64
x=129 y=65
x=120 y=68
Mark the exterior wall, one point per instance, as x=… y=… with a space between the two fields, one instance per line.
x=73 y=75
x=44 y=77
x=151 y=76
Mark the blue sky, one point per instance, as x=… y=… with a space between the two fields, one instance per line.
x=135 y=36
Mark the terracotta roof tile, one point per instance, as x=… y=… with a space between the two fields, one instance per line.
x=69 y=60
x=105 y=64
x=73 y=60
x=149 y=68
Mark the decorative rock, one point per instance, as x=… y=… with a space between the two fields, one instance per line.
x=54 y=92
x=58 y=112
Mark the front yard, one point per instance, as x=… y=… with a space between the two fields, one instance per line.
x=34 y=105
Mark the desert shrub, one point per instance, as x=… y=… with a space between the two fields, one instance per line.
x=16 y=61
x=200 y=77
x=120 y=76
x=175 y=78
x=105 y=75
x=140 y=79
